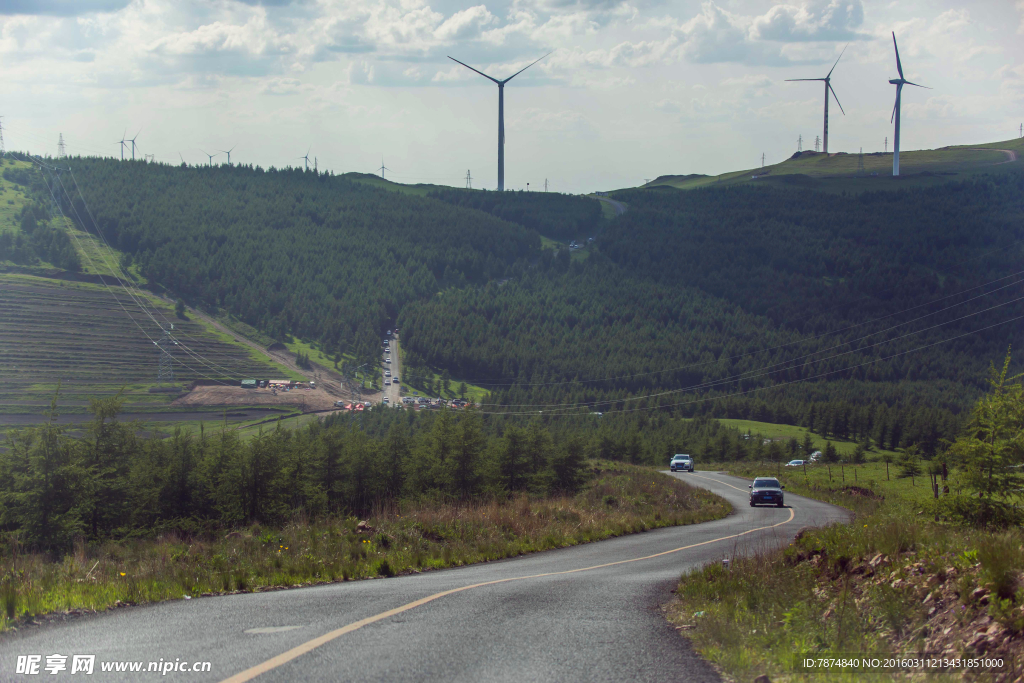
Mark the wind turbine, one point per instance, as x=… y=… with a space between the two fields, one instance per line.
x=899 y=83
x=134 y=145
x=828 y=87
x=182 y=158
x=211 y=156
x=122 y=143
x=228 y=152
x=501 y=114
x=382 y=167
x=306 y=157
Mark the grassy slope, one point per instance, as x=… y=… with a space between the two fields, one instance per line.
x=11 y=198
x=419 y=189
x=619 y=499
x=891 y=581
x=840 y=171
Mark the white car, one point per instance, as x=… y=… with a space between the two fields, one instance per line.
x=795 y=463
x=388 y=359
x=385 y=400
x=681 y=461
x=387 y=383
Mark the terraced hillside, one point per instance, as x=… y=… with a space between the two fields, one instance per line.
x=84 y=333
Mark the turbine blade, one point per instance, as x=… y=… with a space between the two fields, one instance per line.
x=895 y=104
x=788 y=80
x=919 y=86
x=837 y=98
x=837 y=62
x=899 y=67
x=472 y=69
x=524 y=68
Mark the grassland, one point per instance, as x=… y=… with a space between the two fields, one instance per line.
x=408 y=538
x=12 y=197
x=419 y=189
x=778 y=432
x=901 y=578
x=842 y=171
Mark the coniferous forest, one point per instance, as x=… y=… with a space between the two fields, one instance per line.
x=778 y=304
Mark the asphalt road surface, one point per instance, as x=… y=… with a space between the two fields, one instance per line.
x=587 y=613
x=393 y=391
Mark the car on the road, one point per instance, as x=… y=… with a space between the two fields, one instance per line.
x=814 y=456
x=387 y=373
x=387 y=359
x=389 y=333
x=408 y=399
x=387 y=383
x=385 y=400
x=681 y=462
x=795 y=463
x=394 y=379
x=766 y=491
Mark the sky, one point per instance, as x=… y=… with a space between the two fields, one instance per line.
x=631 y=90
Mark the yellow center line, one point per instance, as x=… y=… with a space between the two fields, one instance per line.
x=310 y=645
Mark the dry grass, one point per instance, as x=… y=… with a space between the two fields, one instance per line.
x=406 y=538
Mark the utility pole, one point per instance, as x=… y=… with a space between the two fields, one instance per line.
x=545 y=180
x=800 y=143
x=60 y=147
x=469 y=180
x=166 y=372
x=886 y=145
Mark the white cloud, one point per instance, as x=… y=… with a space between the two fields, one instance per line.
x=820 y=20
x=465 y=25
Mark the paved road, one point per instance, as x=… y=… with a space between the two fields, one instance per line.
x=619 y=207
x=588 y=613
x=393 y=391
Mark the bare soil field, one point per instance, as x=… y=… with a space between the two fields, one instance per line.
x=306 y=399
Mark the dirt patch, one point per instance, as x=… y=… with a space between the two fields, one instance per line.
x=306 y=399
x=861 y=491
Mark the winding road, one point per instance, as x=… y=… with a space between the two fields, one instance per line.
x=587 y=613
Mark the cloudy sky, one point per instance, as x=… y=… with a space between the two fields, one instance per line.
x=633 y=89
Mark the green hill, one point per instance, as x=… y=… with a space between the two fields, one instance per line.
x=856 y=172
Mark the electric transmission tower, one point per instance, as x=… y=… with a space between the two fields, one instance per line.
x=469 y=180
x=2 y=151
x=887 y=145
x=817 y=143
x=166 y=372
x=762 y=159
x=545 y=180
x=800 y=143
x=60 y=147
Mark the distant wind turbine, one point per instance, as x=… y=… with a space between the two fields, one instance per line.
x=134 y=145
x=501 y=114
x=211 y=156
x=306 y=157
x=122 y=143
x=899 y=83
x=382 y=167
x=828 y=87
x=228 y=152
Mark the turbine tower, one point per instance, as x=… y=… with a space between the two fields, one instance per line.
x=134 y=145
x=211 y=156
x=501 y=114
x=305 y=157
x=382 y=167
x=828 y=86
x=123 y=143
x=899 y=83
x=228 y=152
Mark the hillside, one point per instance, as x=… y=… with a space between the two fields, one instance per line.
x=855 y=172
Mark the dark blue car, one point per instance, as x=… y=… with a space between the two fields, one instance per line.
x=766 y=491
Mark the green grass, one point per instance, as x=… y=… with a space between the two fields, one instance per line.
x=419 y=189
x=11 y=199
x=409 y=538
x=314 y=351
x=841 y=172
x=786 y=432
